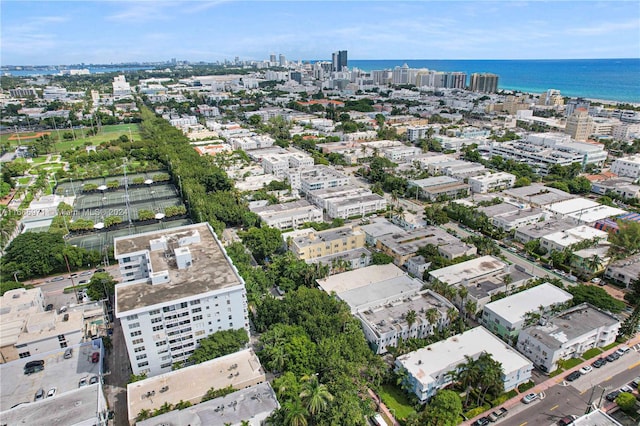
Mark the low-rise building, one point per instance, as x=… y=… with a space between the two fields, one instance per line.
x=566 y=335
x=506 y=317
x=239 y=370
x=440 y=187
x=417 y=265
x=490 y=182
x=590 y=261
x=321 y=177
x=623 y=187
x=311 y=244
x=537 y=195
x=537 y=230
x=346 y=208
x=378 y=227
x=558 y=241
x=416 y=315
x=583 y=211
x=346 y=260
x=469 y=272
x=624 y=271
x=627 y=166
x=289 y=215
x=428 y=369
x=513 y=217
x=401 y=154
x=404 y=245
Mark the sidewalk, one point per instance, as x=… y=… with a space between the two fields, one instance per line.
x=551 y=382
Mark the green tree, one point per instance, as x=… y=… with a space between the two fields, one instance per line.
x=443 y=410
x=263 y=242
x=630 y=325
x=626 y=401
x=378 y=258
x=411 y=319
x=295 y=413
x=596 y=296
x=101 y=286
x=218 y=344
x=627 y=240
x=314 y=395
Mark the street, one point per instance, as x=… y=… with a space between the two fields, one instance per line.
x=565 y=399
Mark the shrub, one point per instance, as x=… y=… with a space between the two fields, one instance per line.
x=626 y=401
x=476 y=411
x=526 y=386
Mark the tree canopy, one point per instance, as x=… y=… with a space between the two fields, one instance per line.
x=596 y=296
x=218 y=344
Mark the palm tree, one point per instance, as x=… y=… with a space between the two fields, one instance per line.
x=295 y=414
x=411 y=319
x=314 y=395
x=452 y=314
x=470 y=308
x=432 y=315
x=463 y=292
x=506 y=280
x=468 y=374
x=594 y=263
x=491 y=379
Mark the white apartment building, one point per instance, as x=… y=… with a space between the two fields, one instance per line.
x=321 y=177
x=505 y=317
x=428 y=369
x=279 y=164
x=362 y=205
x=567 y=335
x=417 y=132
x=628 y=166
x=383 y=325
x=402 y=154
x=491 y=182
x=558 y=241
x=179 y=286
x=121 y=87
x=322 y=197
x=246 y=142
x=289 y=215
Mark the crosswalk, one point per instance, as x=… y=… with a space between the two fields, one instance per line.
x=636 y=347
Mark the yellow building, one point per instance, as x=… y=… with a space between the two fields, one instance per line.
x=309 y=244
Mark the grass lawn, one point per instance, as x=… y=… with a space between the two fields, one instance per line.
x=106 y=134
x=572 y=362
x=24 y=180
x=39 y=160
x=613 y=345
x=396 y=400
x=591 y=353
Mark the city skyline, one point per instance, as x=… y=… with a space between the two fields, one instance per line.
x=54 y=33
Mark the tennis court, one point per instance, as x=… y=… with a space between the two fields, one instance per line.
x=75 y=187
x=103 y=240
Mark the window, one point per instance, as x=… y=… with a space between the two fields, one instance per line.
x=166 y=365
x=137 y=341
x=143 y=364
x=24 y=354
x=196 y=310
x=126 y=259
x=230 y=316
x=63 y=344
x=161 y=343
x=197 y=318
x=139 y=349
x=228 y=302
x=158 y=327
x=61 y=338
x=154 y=312
x=134 y=325
x=155 y=320
x=195 y=302
x=139 y=357
x=136 y=333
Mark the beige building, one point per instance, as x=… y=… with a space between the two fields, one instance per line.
x=309 y=244
x=239 y=370
x=579 y=125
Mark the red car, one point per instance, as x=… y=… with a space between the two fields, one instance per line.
x=95 y=357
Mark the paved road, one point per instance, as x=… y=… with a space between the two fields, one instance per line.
x=565 y=399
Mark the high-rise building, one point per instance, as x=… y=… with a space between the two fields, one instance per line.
x=282 y=60
x=579 y=125
x=484 y=82
x=339 y=60
x=574 y=104
x=272 y=59
x=179 y=286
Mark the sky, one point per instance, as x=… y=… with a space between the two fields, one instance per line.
x=102 y=32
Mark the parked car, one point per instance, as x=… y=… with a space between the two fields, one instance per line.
x=546 y=266
x=596 y=280
x=611 y=396
x=626 y=388
x=85 y=273
x=568 y=420
x=56 y=279
x=599 y=362
x=51 y=393
x=529 y=398
x=33 y=367
x=498 y=414
x=100 y=270
x=612 y=357
x=622 y=350
x=586 y=369
x=634 y=383
x=49 y=307
x=39 y=395
x=68 y=353
x=83 y=382
x=573 y=376
x=94 y=380
x=482 y=421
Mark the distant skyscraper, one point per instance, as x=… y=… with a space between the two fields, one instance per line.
x=339 y=60
x=575 y=104
x=579 y=125
x=283 y=60
x=485 y=83
x=272 y=59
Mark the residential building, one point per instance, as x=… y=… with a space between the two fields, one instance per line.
x=309 y=243
x=384 y=325
x=558 y=241
x=583 y=210
x=537 y=230
x=435 y=188
x=178 y=287
x=627 y=166
x=358 y=206
x=339 y=60
x=469 y=272
x=458 y=169
x=377 y=228
x=579 y=125
x=252 y=405
x=535 y=195
x=401 y=154
x=490 y=182
x=279 y=164
x=591 y=261
x=404 y=245
x=624 y=271
x=239 y=370
x=429 y=369
x=322 y=197
x=596 y=418
x=518 y=218
x=622 y=187
x=484 y=83
x=247 y=143
x=121 y=87
x=346 y=260
x=416 y=266
x=414 y=133
x=566 y=335
x=321 y=177
x=289 y=215
x=506 y=317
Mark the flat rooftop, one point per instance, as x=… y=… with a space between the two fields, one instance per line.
x=501 y=209
x=540 y=229
x=348 y=255
x=253 y=404
x=63 y=374
x=596 y=418
x=380 y=292
x=211 y=269
x=356 y=199
x=575 y=235
x=275 y=209
x=513 y=308
x=240 y=370
x=381 y=226
x=570 y=324
x=350 y=280
x=596 y=213
x=446 y=355
x=539 y=194
x=315 y=237
x=433 y=181
x=407 y=242
x=572 y=206
x=469 y=270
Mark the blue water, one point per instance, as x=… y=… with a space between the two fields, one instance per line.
x=608 y=79
x=92 y=70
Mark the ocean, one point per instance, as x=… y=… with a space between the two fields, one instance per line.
x=606 y=79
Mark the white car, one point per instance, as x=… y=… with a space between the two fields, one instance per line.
x=52 y=392
x=586 y=369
